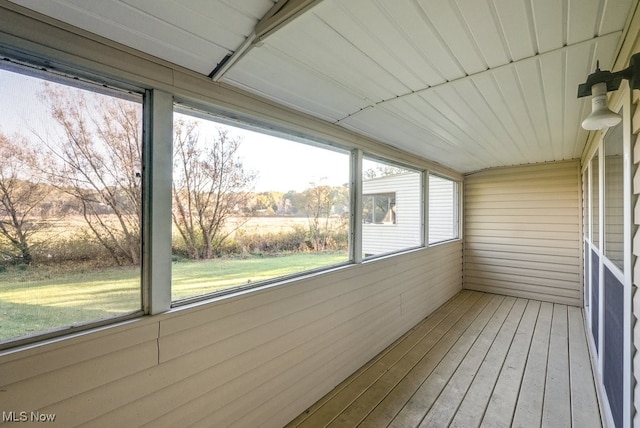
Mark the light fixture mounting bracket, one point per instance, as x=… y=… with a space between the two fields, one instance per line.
x=613 y=79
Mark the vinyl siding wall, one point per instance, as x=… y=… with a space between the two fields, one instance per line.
x=522 y=232
x=258 y=359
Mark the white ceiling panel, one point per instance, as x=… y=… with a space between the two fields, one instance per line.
x=502 y=89
x=515 y=20
x=446 y=18
x=523 y=112
x=274 y=75
x=412 y=22
x=382 y=40
x=195 y=34
x=549 y=24
x=470 y=84
x=482 y=20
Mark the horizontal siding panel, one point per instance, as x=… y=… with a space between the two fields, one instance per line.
x=490 y=195
x=527 y=183
x=37 y=362
x=496 y=256
x=537 y=227
x=523 y=233
x=529 y=214
x=556 y=268
x=521 y=249
x=549 y=244
x=550 y=266
x=524 y=276
x=517 y=204
x=72 y=381
x=540 y=220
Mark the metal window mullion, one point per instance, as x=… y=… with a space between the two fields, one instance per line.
x=356 y=206
x=156 y=231
x=425 y=208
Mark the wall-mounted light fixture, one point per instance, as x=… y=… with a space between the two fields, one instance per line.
x=598 y=84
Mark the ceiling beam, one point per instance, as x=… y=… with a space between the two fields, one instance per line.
x=280 y=14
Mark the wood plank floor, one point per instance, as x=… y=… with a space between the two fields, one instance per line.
x=479 y=360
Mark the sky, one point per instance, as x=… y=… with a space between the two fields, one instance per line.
x=281 y=165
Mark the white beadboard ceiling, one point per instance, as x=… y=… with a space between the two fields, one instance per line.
x=471 y=84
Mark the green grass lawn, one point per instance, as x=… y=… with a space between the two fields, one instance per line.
x=37 y=300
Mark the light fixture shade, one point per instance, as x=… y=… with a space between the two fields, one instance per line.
x=601 y=116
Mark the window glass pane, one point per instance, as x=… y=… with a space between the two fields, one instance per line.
x=249 y=207
x=614 y=196
x=443 y=209
x=391 y=208
x=595 y=201
x=70 y=205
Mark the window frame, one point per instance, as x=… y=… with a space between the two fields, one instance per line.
x=78 y=79
x=457 y=200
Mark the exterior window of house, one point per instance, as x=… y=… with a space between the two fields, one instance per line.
x=443 y=209
x=614 y=196
x=379 y=208
x=250 y=207
x=391 y=207
x=70 y=205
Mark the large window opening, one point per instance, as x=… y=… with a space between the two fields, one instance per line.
x=443 y=209
x=70 y=204
x=250 y=207
x=391 y=207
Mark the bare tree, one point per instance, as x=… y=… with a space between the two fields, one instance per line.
x=209 y=186
x=97 y=159
x=321 y=203
x=21 y=191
